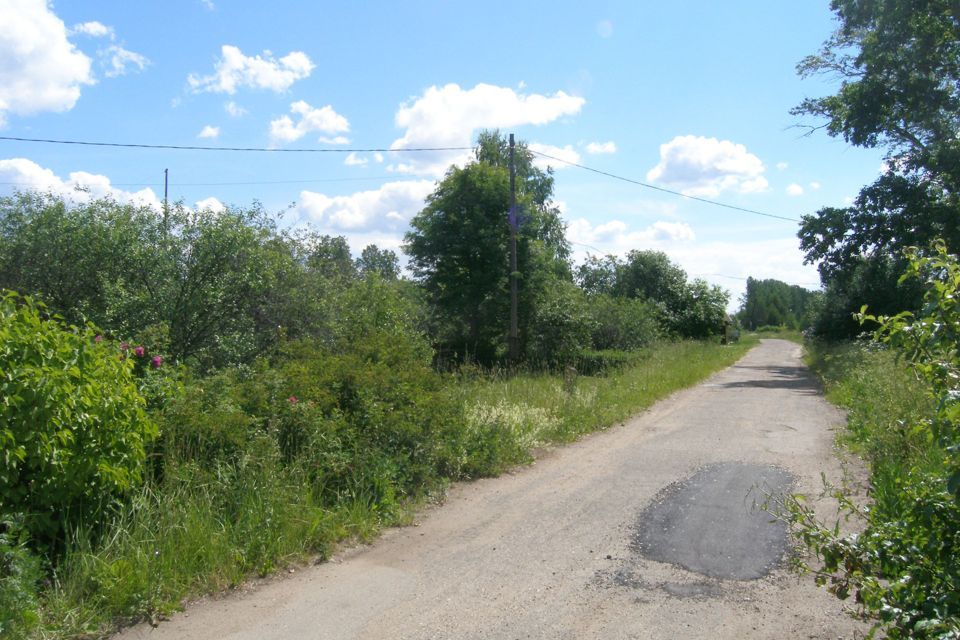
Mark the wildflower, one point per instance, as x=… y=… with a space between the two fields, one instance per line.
x=292 y=400
x=124 y=346
x=139 y=351
x=98 y=338
x=156 y=361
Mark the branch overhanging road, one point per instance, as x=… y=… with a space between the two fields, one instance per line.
x=647 y=530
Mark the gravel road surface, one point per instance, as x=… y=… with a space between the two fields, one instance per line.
x=647 y=530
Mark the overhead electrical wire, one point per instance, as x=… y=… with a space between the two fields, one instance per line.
x=656 y=188
x=176 y=147
x=387 y=150
x=220 y=184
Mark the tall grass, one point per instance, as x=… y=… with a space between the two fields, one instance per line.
x=884 y=400
x=200 y=528
x=526 y=411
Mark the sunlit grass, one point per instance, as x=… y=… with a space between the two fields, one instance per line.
x=198 y=531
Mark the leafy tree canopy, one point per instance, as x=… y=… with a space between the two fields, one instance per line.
x=899 y=66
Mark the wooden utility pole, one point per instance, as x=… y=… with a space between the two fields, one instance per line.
x=166 y=187
x=514 y=339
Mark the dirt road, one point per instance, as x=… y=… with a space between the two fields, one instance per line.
x=642 y=531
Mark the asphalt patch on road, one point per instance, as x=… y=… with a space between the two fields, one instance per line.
x=712 y=522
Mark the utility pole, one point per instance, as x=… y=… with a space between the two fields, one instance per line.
x=514 y=339
x=166 y=188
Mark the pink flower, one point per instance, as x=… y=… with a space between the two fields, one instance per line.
x=292 y=400
x=156 y=361
x=124 y=346
x=98 y=338
x=139 y=351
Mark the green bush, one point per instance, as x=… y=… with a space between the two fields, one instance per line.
x=623 y=323
x=72 y=421
x=904 y=567
x=20 y=575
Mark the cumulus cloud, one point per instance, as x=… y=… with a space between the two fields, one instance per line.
x=595 y=148
x=814 y=185
x=40 y=70
x=700 y=166
x=80 y=186
x=781 y=166
x=389 y=207
x=209 y=131
x=234 y=70
x=450 y=116
x=565 y=154
x=794 y=190
x=324 y=120
x=616 y=237
x=93 y=29
x=117 y=61
x=209 y=204
x=353 y=160
x=233 y=109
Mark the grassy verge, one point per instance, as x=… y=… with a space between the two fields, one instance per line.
x=902 y=568
x=532 y=410
x=883 y=398
x=200 y=528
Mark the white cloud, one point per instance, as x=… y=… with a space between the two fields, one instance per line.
x=794 y=190
x=117 y=60
x=79 y=187
x=208 y=5
x=334 y=140
x=209 y=204
x=209 y=131
x=233 y=109
x=781 y=166
x=93 y=29
x=234 y=70
x=324 y=120
x=700 y=166
x=565 y=154
x=352 y=160
x=616 y=237
x=449 y=116
x=815 y=185
x=378 y=157
x=595 y=148
x=389 y=207
x=40 y=70
x=605 y=28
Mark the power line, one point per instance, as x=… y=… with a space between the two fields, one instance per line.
x=203 y=148
x=656 y=188
x=215 y=184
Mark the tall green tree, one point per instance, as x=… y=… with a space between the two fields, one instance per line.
x=775 y=303
x=899 y=66
x=459 y=249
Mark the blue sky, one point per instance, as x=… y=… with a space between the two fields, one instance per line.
x=692 y=96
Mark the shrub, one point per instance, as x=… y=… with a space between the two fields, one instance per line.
x=72 y=421
x=19 y=578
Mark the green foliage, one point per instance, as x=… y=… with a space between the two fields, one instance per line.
x=904 y=568
x=561 y=327
x=20 y=576
x=623 y=323
x=684 y=309
x=899 y=66
x=459 y=248
x=382 y=262
x=775 y=303
x=72 y=421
